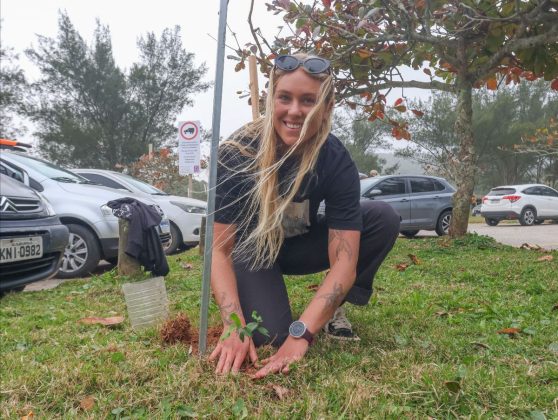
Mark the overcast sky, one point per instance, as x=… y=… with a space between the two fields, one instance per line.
x=22 y=20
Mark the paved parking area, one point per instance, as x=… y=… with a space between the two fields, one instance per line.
x=544 y=235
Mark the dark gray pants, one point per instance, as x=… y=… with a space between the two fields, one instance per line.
x=265 y=291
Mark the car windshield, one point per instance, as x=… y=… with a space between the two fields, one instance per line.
x=49 y=170
x=142 y=186
x=501 y=191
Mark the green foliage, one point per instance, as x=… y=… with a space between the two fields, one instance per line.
x=248 y=330
x=90 y=113
x=361 y=137
x=12 y=94
x=500 y=120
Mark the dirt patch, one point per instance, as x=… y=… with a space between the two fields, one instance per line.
x=179 y=330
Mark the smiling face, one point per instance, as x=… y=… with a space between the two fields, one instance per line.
x=296 y=93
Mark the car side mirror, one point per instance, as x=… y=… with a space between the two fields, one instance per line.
x=373 y=193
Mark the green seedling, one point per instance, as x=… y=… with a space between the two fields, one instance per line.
x=248 y=330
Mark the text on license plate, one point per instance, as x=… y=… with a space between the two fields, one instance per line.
x=165 y=226
x=17 y=249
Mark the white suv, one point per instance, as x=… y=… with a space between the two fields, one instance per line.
x=529 y=203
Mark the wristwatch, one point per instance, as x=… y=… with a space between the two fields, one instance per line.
x=298 y=329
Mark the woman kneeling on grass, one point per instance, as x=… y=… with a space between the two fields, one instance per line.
x=272 y=176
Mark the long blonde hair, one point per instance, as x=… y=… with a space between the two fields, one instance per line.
x=268 y=199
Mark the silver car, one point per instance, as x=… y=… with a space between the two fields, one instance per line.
x=81 y=206
x=185 y=214
x=423 y=202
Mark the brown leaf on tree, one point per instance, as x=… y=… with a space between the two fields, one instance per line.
x=398 y=102
x=512 y=332
x=87 y=403
x=112 y=320
x=280 y=391
x=401 y=266
x=417 y=112
x=415 y=259
x=492 y=84
x=427 y=71
x=186 y=266
x=313 y=287
x=554 y=84
x=545 y=258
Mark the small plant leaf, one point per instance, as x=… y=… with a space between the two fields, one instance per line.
x=545 y=258
x=553 y=347
x=239 y=409
x=263 y=331
x=236 y=320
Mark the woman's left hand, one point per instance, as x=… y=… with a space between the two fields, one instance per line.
x=292 y=350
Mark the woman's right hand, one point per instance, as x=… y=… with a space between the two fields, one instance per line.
x=232 y=352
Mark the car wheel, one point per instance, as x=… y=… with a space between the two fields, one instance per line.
x=81 y=255
x=491 y=222
x=443 y=224
x=409 y=233
x=528 y=216
x=539 y=221
x=176 y=239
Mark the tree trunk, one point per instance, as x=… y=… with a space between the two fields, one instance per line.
x=465 y=165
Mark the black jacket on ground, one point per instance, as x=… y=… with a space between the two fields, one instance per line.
x=143 y=239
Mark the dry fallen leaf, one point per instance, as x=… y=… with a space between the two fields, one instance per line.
x=453 y=386
x=441 y=313
x=186 y=266
x=401 y=266
x=112 y=320
x=534 y=247
x=313 y=287
x=545 y=258
x=555 y=307
x=509 y=331
x=280 y=391
x=87 y=403
x=415 y=259
x=29 y=416
x=481 y=345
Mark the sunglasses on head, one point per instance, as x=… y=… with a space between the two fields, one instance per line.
x=313 y=65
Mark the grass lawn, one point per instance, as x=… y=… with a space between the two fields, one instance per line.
x=430 y=347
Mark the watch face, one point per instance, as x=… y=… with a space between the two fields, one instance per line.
x=297 y=329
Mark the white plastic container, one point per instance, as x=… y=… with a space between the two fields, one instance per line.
x=147 y=302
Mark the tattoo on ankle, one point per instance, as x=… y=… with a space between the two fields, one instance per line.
x=334 y=298
x=343 y=244
x=226 y=309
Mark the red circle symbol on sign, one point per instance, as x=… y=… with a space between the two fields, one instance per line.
x=188 y=130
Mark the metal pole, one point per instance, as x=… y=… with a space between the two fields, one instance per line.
x=215 y=131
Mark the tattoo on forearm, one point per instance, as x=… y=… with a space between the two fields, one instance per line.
x=343 y=245
x=227 y=309
x=334 y=298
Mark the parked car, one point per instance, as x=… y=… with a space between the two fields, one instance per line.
x=476 y=211
x=531 y=204
x=32 y=238
x=81 y=206
x=423 y=202
x=185 y=214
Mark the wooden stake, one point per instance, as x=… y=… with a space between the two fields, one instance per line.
x=127 y=266
x=254 y=90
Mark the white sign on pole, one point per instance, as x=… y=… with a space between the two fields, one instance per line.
x=188 y=147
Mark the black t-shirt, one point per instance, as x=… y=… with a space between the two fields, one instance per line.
x=334 y=180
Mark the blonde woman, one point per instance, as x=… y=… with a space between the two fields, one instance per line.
x=272 y=176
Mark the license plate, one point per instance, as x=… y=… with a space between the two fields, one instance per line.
x=18 y=249
x=494 y=201
x=165 y=226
